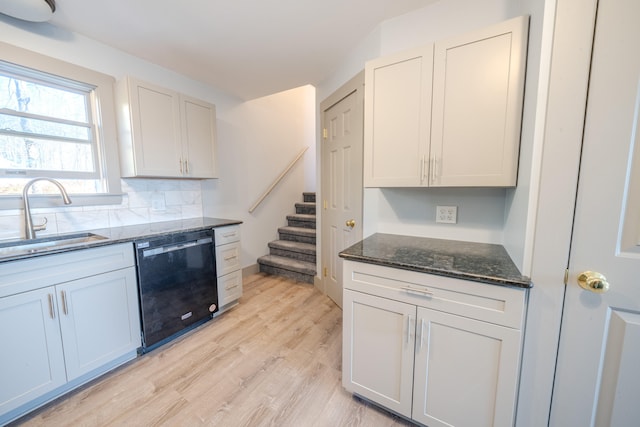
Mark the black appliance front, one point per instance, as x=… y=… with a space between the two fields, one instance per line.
x=177 y=284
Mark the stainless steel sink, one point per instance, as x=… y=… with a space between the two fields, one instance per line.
x=19 y=247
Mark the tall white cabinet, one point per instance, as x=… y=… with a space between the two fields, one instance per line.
x=447 y=114
x=438 y=350
x=163 y=133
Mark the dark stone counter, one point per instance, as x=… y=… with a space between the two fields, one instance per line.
x=480 y=262
x=122 y=235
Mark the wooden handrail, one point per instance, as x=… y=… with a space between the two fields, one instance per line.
x=277 y=180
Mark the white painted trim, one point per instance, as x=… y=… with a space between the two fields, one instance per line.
x=549 y=230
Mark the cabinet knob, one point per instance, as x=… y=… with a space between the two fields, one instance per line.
x=593 y=281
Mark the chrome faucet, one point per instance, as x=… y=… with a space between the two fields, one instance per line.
x=29 y=228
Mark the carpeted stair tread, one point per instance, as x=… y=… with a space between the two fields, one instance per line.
x=302 y=217
x=297 y=266
x=298 y=231
x=288 y=245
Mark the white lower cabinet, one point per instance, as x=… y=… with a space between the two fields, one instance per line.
x=98 y=320
x=32 y=359
x=441 y=351
x=69 y=329
x=379 y=342
x=228 y=267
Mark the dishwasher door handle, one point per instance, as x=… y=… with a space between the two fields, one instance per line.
x=176 y=247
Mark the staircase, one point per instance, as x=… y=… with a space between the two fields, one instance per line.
x=294 y=255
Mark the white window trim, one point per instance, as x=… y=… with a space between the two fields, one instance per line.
x=105 y=120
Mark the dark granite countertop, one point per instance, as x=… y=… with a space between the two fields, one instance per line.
x=480 y=262
x=121 y=235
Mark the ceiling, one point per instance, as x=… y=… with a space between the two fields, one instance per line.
x=248 y=48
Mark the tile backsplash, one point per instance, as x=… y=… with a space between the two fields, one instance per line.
x=144 y=201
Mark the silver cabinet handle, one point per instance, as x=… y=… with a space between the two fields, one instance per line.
x=408 y=329
x=421 y=292
x=186 y=165
x=421 y=332
x=52 y=312
x=180 y=161
x=65 y=309
x=228 y=257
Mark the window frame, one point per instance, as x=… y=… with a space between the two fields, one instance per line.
x=101 y=109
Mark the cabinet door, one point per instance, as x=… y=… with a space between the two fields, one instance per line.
x=99 y=319
x=198 y=138
x=397 y=119
x=466 y=371
x=156 y=130
x=478 y=85
x=31 y=359
x=378 y=350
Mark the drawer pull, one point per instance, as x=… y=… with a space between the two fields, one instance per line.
x=420 y=292
x=231 y=234
x=235 y=285
x=228 y=257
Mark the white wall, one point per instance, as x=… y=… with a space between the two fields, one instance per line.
x=493 y=216
x=271 y=131
x=251 y=147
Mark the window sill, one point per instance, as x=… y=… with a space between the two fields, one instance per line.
x=37 y=201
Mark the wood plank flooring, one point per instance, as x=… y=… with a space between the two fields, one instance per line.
x=274 y=360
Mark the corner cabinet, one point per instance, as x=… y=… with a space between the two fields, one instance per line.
x=446 y=351
x=448 y=114
x=228 y=268
x=69 y=318
x=163 y=133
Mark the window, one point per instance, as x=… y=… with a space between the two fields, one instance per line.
x=56 y=120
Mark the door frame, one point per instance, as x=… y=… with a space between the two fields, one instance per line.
x=565 y=64
x=356 y=83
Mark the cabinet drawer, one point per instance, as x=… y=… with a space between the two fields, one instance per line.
x=39 y=272
x=227 y=258
x=226 y=235
x=491 y=303
x=229 y=288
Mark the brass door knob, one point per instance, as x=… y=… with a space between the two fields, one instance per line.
x=351 y=223
x=593 y=282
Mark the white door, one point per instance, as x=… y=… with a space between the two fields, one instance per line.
x=341 y=183
x=598 y=378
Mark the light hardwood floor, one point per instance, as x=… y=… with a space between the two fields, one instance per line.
x=274 y=360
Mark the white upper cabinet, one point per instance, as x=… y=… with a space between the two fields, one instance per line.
x=478 y=86
x=448 y=114
x=164 y=133
x=397 y=119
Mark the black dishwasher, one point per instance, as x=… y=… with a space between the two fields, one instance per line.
x=177 y=284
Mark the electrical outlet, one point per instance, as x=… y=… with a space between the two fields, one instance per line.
x=447 y=214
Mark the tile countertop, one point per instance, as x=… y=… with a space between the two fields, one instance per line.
x=480 y=262
x=124 y=234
